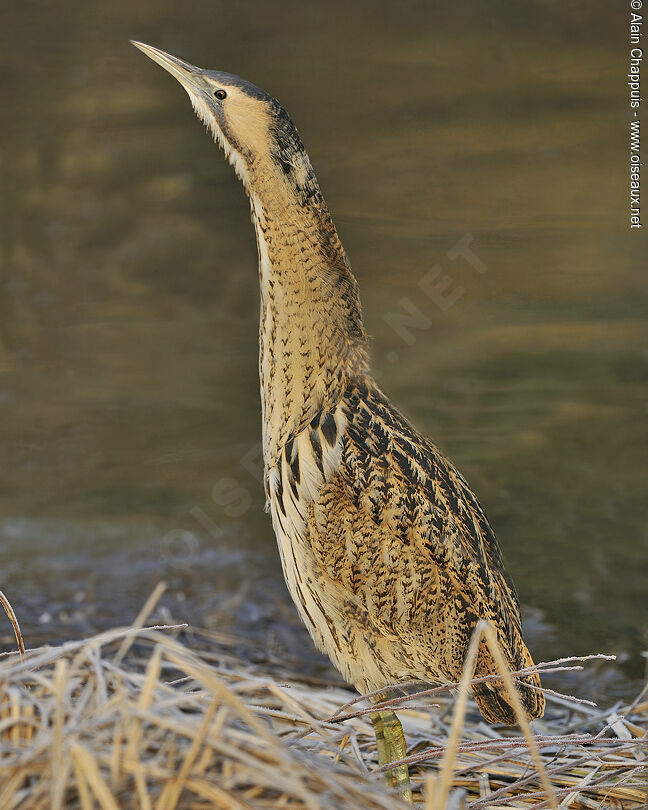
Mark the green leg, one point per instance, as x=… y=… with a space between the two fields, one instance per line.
x=381 y=746
x=390 y=742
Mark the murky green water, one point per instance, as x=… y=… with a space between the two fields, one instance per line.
x=128 y=307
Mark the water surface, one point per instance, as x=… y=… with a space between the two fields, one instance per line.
x=128 y=308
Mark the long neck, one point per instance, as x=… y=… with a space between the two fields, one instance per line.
x=311 y=334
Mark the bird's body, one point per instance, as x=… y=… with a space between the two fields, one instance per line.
x=386 y=551
x=356 y=498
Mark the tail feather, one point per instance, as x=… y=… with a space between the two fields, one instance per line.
x=493 y=698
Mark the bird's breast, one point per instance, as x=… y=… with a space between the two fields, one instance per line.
x=306 y=463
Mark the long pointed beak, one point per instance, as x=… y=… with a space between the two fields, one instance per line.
x=188 y=75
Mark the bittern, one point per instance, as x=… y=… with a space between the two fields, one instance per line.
x=386 y=551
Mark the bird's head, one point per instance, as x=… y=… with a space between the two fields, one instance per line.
x=253 y=129
x=289 y=213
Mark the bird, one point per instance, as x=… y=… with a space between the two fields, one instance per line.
x=385 y=549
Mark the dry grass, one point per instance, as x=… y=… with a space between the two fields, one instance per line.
x=135 y=718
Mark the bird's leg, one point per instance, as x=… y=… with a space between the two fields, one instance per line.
x=390 y=742
x=397 y=748
x=381 y=746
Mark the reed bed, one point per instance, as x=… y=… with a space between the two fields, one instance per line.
x=168 y=717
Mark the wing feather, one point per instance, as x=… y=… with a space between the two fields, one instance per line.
x=403 y=482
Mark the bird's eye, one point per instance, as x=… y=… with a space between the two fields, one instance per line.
x=220 y=94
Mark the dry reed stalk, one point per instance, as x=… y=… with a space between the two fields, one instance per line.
x=132 y=718
x=6 y=604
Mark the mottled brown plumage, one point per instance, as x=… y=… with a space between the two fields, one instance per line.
x=394 y=561
x=386 y=551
